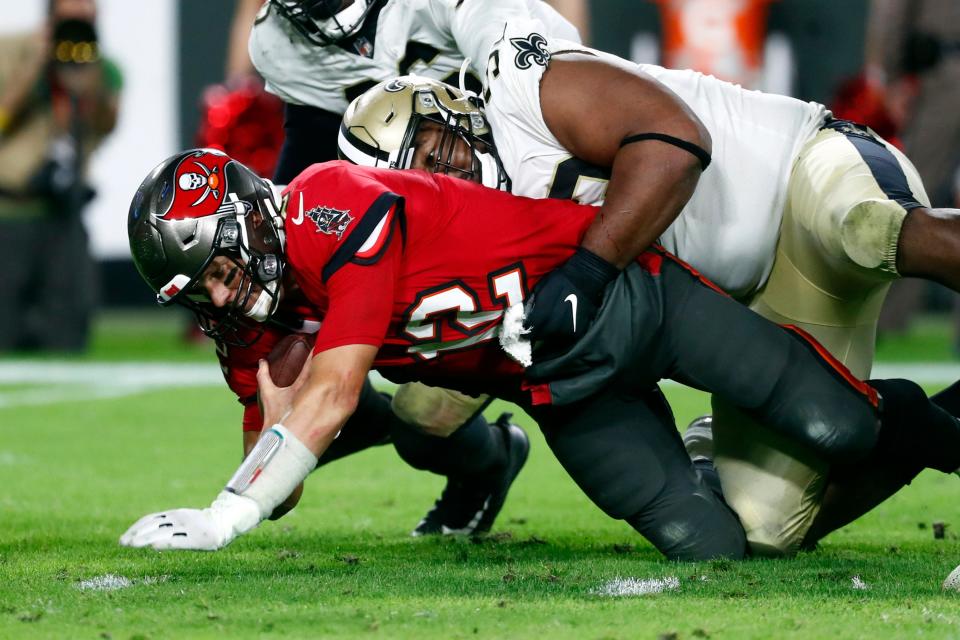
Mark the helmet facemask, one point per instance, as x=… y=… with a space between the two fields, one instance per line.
x=369 y=134
x=325 y=22
x=251 y=245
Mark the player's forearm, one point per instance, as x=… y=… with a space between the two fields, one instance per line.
x=250 y=439
x=287 y=452
x=647 y=191
x=323 y=405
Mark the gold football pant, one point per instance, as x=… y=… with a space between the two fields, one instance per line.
x=847 y=198
x=433 y=410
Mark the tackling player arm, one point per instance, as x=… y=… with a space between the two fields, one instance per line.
x=592 y=107
x=655 y=148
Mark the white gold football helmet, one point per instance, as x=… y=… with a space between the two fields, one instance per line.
x=382 y=128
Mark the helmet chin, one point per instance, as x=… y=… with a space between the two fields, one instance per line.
x=265 y=303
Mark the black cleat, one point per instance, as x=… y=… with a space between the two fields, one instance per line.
x=470 y=508
x=698 y=439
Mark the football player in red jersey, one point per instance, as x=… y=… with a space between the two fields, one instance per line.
x=211 y=215
x=413 y=272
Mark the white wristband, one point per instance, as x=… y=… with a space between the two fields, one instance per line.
x=276 y=465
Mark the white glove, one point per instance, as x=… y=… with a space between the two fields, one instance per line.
x=952 y=583
x=207 y=529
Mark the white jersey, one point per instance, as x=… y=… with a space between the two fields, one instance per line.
x=729 y=228
x=424 y=37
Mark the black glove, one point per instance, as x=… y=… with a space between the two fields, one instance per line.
x=565 y=300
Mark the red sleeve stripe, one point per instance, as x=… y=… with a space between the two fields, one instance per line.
x=378 y=237
x=838 y=367
x=696 y=274
x=539 y=393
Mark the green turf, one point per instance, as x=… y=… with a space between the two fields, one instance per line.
x=76 y=474
x=159 y=334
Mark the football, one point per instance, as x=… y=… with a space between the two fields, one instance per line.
x=287 y=358
x=952 y=583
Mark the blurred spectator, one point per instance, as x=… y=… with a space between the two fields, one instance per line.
x=239 y=116
x=58 y=99
x=913 y=63
x=913 y=58
x=577 y=12
x=238 y=64
x=723 y=38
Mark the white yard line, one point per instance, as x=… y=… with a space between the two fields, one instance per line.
x=64 y=381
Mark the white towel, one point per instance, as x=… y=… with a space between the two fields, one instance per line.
x=511 y=336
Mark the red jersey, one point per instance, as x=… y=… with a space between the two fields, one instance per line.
x=239 y=364
x=422 y=266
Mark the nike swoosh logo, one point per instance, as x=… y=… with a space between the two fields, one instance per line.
x=572 y=299
x=299 y=218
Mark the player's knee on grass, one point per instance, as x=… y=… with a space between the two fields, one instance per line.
x=433 y=410
x=691 y=526
x=773 y=484
x=626 y=455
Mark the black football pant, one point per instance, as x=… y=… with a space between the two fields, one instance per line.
x=623 y=450
x=621 y=445
x=310 y=135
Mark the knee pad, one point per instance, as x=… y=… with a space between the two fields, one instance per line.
x=870 y=233
x=817 y=408
x=435 y=411
x=691 y=526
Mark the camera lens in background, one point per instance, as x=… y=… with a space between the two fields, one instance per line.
x=75 y=42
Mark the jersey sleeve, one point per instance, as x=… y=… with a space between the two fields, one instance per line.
x=344 y=244
x=512 y=88
x=477 y=24
x=361 y=302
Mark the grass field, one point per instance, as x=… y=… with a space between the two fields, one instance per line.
x=76 y=472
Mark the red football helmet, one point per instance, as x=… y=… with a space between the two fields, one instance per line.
x=193 y=207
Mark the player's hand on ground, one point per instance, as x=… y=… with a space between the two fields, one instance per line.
x=196 y=529
x=566 y=300
x=208 y=529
